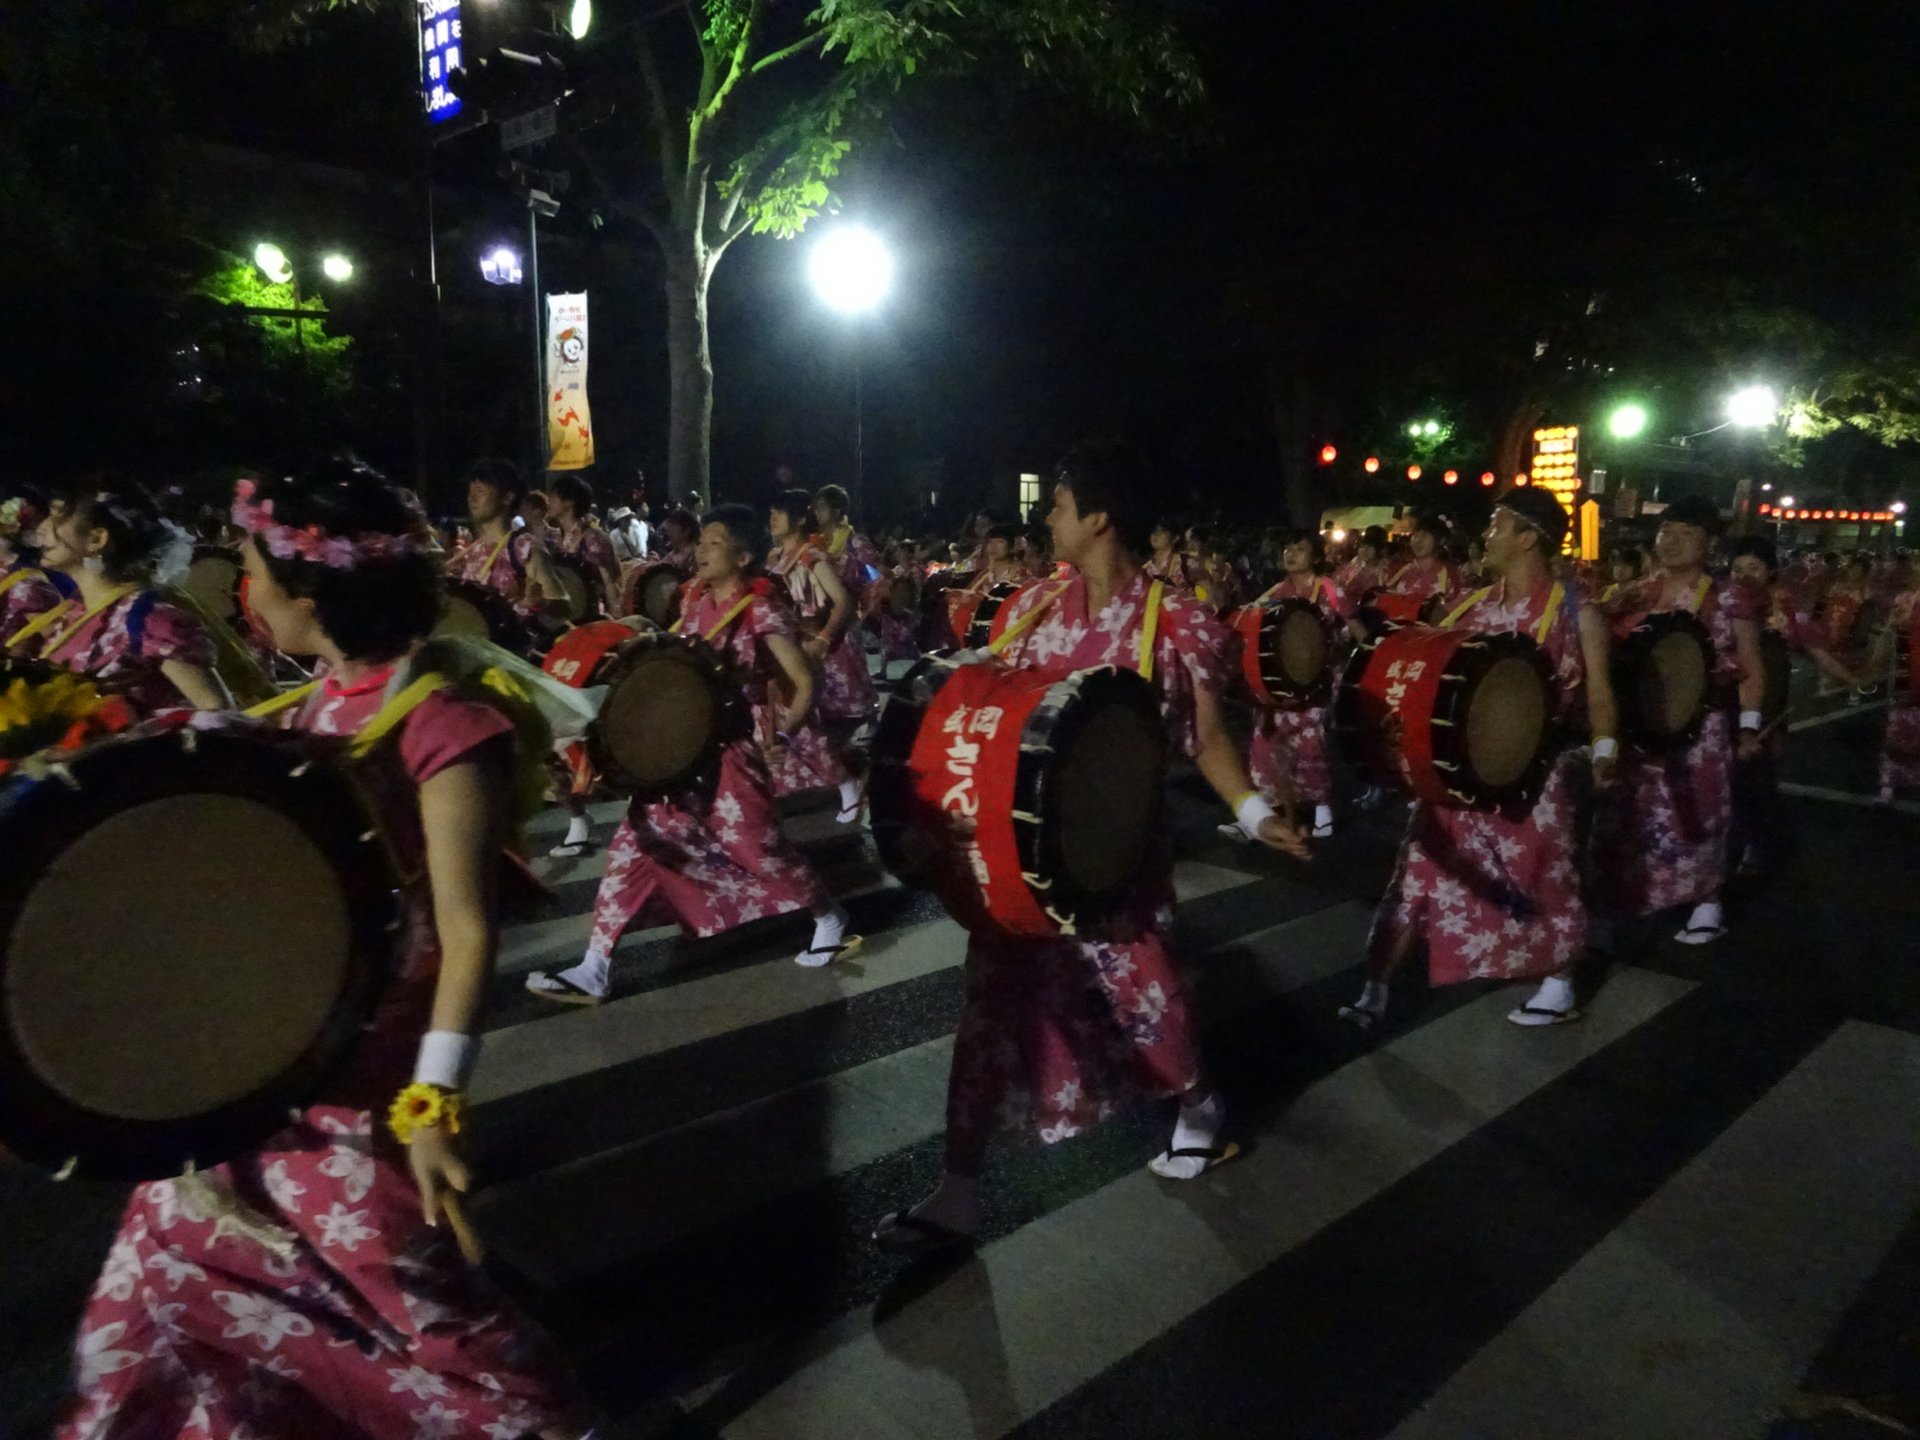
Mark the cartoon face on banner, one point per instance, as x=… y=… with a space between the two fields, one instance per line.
x=569 y=422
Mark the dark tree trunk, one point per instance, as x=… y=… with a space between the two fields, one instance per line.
x=688 y=272
x=1293 y=428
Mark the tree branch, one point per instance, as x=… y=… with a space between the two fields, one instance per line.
x=737 y=66
x=670 y=161
x=767 y=62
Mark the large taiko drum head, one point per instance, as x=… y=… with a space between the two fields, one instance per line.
x=1663 y=678
x=193 y=931
x=670 y=709
x=472 y=611
x=579 y=588
x=1506 y=717
x=1028 y=800
x=213 y=580
x=653 y=590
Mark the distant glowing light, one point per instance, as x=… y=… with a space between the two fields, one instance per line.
x=1486 y=477
x=1523 y=478
x=1787 y=502
x=1413 y=472
x=501 y=266
x=337 y=268
x=273 y=262
x=1753 y=408
x=1452 y=477
x=1328 y=454
x=1414 y=429
x=1627 y=421
x=1766 y=509
x=1339 y=537
x=1371 y=465
x=1899 y=507
x=1432 y=427
x=580 y=19
x=851 y=269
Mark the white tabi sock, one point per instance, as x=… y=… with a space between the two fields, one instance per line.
x=1198 y=1128
x=1373 y=998
x=849 y=795
x=594 y=974
x=954 y=1206
x=1555 y=993
x=828 y=931
x=1706 y=916
x=1322 y=818
x=579 y=831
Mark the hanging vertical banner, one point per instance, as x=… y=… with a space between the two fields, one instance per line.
x=569 y=423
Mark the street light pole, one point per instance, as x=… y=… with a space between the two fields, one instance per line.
x=859 y=414
x=540 y=455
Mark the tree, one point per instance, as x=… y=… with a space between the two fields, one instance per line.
x=747 y=110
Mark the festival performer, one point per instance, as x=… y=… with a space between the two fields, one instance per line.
x=109 y=541
x=1492 y=896
x=1428 y=572
x=1628 y=567
x=513 y=562
x=843 y=687
x=1168 y=561
x=1367 y=569
x=1061 y=1033
x=855 y=556
x=308 y=1287
x=895 y=631
x=1000 y=566
x=1289 y=752
x=681 y=534
x=1660 y=835
x=1756 y=595
x=1899 y=767
x=1216 y=584
x=575 y=537
x=25 y=589
x=713 y=862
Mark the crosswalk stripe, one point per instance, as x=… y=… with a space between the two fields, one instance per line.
x=573 y=1042
x=700 y=1173
x=1059 y=1301
x=1702 y=1310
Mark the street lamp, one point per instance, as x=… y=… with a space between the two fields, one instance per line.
x=1753 y=407
x=1898 y=507
x=501 y=266
x=337 y=267
x=852 y=272
x=1627 y=422
x=580 y=18
x=273 y=262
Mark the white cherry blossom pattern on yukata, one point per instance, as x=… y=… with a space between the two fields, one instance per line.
x=105 y=647
x=1496 y=896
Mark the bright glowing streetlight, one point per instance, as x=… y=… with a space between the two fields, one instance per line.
x=580 y=19
x=1432 y=427
x=273 y=262
x=1898 y=507
x=501 y=266
x=1627 y=422
x=851 y=269
x=1753 y=408
x=336 y=267
x=1786 y=502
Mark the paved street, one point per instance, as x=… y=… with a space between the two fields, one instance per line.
x=1696 y=1214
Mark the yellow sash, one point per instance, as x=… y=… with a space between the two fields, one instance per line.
x=46 y=619
x=1555 y=598
x=739 y=609
x=1149 y=627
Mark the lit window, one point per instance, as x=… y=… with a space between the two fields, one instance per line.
x=1029 y=494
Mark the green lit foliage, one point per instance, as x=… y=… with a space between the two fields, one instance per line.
x=276 y=351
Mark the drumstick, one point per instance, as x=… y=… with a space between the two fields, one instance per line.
x=454 y=1208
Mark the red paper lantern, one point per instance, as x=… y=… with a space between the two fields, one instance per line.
x=1328 y=454
x=1372 y=464
x=1452 y=477
x=1523 y=478
x=1413 y=472
x=1486 y=478
x=1766 y=509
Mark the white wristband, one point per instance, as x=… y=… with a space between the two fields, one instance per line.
x=1251 y=811
x=1606 y=748
x=446 y=1059
x=1750 y=720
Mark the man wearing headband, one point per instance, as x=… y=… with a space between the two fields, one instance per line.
x=1660 y=836
x=1493 y=896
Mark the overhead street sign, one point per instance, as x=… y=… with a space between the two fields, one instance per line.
x=530 y=129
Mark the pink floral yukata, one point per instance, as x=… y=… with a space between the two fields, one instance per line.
x=843 y=685
x=1900 y=746
x=711 y=862
x=1060 y=1034
x=1425 y=578
x=127 y=643
x=591 y=549
x=1495 y=896
x=1660 y=833
x=364 y=1323
x=497 y=566
x=24 y=593
x=1292 y=743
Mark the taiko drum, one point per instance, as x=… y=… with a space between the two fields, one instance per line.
x=1285 y=654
